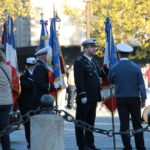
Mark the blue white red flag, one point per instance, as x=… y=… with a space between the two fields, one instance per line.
x=110 y=55
x=110 y=58
x=11 y=57
x=57 y=60
x=44 y=35
x=44 y=42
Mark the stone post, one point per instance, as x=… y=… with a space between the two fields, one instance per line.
x=47 y=132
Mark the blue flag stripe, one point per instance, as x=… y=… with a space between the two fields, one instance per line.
x=110 y=43
x=55 y=48
x=9 y=34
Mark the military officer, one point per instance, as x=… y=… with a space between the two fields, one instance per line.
x=130 y=93
x=26 y=95
x=40 y=77
x=87 y=75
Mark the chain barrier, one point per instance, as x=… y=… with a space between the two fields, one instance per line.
x=16 y=125
x=69 y=118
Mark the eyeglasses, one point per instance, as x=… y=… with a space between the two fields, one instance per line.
x=90 y=47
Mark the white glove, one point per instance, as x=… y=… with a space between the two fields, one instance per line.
x=84 y=100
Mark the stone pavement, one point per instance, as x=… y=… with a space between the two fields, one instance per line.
x=104 y=142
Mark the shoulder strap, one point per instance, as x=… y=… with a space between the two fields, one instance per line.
x=5 y=74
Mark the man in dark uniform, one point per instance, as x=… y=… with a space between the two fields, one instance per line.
x=40 y=76
x=130 y=93
x=26 y=95
x=87 y=80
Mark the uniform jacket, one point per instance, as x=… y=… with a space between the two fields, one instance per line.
x=128 y=79
x=41 y=82
x=26 y=95
x=5 y=89
x=86 y=81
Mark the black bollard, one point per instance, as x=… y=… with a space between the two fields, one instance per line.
x=46 y=104
x=148 y=117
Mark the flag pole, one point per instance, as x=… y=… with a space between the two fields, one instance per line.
x=54 y=14
x=112 y=116
x=111 y=94
x=41 y=14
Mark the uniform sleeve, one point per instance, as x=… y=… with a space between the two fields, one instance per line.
x=111 y=76
x=25 y=82
x=40 y=78
x=104 y=71
x=79 y=79
x=141 y=86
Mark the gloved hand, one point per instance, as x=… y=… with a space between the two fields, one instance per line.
x=84 y=100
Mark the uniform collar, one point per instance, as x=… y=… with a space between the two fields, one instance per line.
x=39 y=61
x=124 y=58
x=88 y=57
x=30 y=72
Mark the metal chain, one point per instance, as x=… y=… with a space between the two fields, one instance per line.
x=16 y=125
x=69 y=118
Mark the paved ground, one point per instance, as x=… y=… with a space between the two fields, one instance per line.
x=104 y=142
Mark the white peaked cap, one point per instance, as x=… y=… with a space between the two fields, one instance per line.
x=41 y=51
x=121 y=47
x=91 y=41
x=31 y=60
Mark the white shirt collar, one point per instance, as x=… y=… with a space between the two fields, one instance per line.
x=88 y=57
x=124 y=58
x=30 y=72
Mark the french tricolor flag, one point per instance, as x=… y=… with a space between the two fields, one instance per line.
x=110 y=58
x=11 y=57
x=44 y=42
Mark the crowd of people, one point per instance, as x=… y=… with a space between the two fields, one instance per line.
x=82 y=82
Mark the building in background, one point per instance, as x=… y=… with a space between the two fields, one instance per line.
x=27 y=29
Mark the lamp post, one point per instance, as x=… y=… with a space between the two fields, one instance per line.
x=88 y=14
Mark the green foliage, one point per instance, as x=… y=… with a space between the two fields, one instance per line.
x=129 y=18
x=14 y=8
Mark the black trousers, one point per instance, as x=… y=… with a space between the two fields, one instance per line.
x=27 y=130
x=127 y=107
x=85 y=112
x=4 y=122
